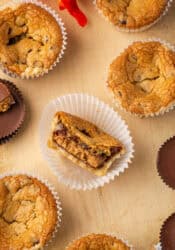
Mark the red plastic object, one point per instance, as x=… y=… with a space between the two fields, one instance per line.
x=74 y=10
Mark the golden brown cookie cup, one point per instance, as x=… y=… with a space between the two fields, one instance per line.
x=38 y=70
x=150 y=103
x=46 y=191
x=99 y=241
x=109 y=16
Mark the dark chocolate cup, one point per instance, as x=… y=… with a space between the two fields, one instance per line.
x=167 y=234
x=12 y=120
x=166 y=162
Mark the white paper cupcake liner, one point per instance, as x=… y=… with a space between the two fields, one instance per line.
x=52 y=190
x=163 y=110
x=110 y=234
x=143 y=28
x=13 y=4
x=158 y=247
x=95 y=111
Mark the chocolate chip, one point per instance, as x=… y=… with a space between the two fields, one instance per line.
x=124 y=22
x=9 y=31
x=119 y=93
x=35 y=242
x=83 y=131
x=74 y=138
x=62 y=132
x=115 y=150
x=84 y=145
x=15 y=39
x=30 y=50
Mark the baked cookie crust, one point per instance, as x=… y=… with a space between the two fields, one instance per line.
x=142 y=78
x=30 y=40
x=28 y=213
x=6 y=98
x=84 y=144
x=132 y=14
x=98 y=242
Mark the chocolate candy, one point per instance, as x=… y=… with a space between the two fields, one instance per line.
x=11 y=120
x=167 y=236
x=166 y=162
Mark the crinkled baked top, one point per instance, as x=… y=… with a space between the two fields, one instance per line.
x=28 y=213
x=98 y=242
x=132 y=13
x=142 y=78
x=30 y=39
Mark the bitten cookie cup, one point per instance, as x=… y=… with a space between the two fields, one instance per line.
x=12 y=120
x=142 y=78
x=133 y=16
x=32 y=38
x=30 y=211
x=84 y=143
x=95 y=111
x=99 y=241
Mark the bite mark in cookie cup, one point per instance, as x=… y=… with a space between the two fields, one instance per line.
x=32 y=38
x=84 y=148
x=133 y=16
x=142 y=78
x=30 y=211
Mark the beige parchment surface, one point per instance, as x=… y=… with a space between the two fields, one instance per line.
x=135 y=204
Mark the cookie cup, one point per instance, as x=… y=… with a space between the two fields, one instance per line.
x=111 y=235
x=14 y=4
x=92 y=109
x=141 y=29
x=53 y=192
x=163 y=110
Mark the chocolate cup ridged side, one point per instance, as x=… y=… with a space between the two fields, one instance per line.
x=18 y=107
x=163 y=178
x=167 y=239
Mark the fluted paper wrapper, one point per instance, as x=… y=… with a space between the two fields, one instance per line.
x=14 y=4
x=111 y=234
x=158 y=247
x=143 y=28
x=52 y=190
x=91 y=109
x=163 y=110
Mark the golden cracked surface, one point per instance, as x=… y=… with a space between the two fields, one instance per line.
x=28 y=213
x=98 y=242
x=30 y=39
x=132 y=13
x=75 y=124
x=142 y=78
